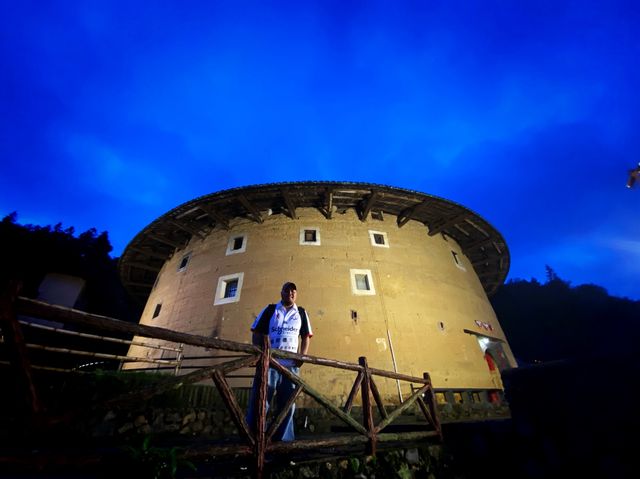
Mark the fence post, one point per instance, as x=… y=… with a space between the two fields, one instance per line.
x=431 y=404
x=179 y=357
x=14 y=340
x=261 y=407
x=367 y=410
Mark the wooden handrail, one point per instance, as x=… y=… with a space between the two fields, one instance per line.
x=257 y=439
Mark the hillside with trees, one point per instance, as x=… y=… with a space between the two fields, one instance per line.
x=554 y=321
x=31 y=252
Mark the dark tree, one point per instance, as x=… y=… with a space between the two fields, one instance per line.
x=31 y=252
x=553 y=321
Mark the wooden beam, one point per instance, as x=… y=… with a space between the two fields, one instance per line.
x=445 y=223
x=479 y=243
x=367 y=412
x=407 y=214
x=368 y=205
x=39 y=309
x=319 y=397
x=232 y=405
x=145 y=266
x=16 y=348
x=354 y=390
x=186 y=228
x=215 y=215
x=377 y=398
x=489 y=274
x=431 y=404
x=163 y=240
x=327 y=209
x=283 y=414
x=150 y=254
x=488 y=256
x=251 y=209
x=403 y=407
x=291 y=207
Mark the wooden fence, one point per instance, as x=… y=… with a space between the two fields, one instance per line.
x=256 y=443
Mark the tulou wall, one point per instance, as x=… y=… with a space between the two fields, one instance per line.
x=406 y=300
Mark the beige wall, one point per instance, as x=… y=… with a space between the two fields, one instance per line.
x=417 y=284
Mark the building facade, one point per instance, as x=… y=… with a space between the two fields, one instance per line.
x=398 y=276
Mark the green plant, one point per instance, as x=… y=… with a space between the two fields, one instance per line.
x=155 y=462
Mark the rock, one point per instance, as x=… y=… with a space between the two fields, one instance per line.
x=110 y=416
x=197 y=426
x=126 y=427
x=412 y=456
x=140 y=421
x=189 y=418
x=172 y=417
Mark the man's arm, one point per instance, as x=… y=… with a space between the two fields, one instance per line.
x=304 y=345
x=303 y=349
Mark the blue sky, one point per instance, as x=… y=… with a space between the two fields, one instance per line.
x=114 y=112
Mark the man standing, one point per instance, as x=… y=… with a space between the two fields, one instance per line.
x=284 y=323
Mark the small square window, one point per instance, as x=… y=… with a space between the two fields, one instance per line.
x=457 y=398
x=379 y=239
x=362 y=282
x=229 y=288
x=310 y=236
x=237 y=244
x=475 y=397
x=184 y=262
x=156 y=312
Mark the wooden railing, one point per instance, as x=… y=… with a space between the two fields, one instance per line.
x=252 y=443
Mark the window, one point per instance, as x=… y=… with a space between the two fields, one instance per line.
x=475 y=397
x=156 y=312
x=456 y=260
x=362 y=282
x=184 y=262
x=441 y=398
x=377 y=215
x=379 y=238
x=237 y=244
x=457 y=398
x=229 y=288
x=310 y=236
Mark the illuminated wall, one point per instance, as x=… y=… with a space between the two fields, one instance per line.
x=405 y=300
